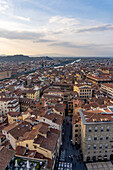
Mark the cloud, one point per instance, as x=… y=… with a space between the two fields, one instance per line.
x=22 y=18
x=7 y=8
x=65 y=44
x=105 y=27
x=69 y=44
x=43 y=41
x=21 y=35
x=72 y=45
x=63 y=20
x=4 y=5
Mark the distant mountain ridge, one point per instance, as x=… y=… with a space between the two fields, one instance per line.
x=22 y=58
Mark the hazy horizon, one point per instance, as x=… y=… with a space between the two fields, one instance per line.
x=4 y=55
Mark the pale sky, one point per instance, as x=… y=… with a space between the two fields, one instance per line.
x=56 y=27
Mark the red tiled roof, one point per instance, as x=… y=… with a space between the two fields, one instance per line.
x=14 y=113
x=108 y=85
x=6 y=156
x=97 y=115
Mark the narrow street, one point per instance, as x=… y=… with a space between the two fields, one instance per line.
x=72 y=153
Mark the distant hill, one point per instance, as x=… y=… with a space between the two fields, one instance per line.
x=43 y=58
x=22 y=58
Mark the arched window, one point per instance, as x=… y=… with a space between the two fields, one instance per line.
x=100 y=147
x=89 y=138
x=107 y=128
x=95 y=137
x=101 y=129
x=101 y=137
x=96 y=129
x=88 y=147
x=106 y=146
x=107 y=137
x=94 y=146
x=90 y=129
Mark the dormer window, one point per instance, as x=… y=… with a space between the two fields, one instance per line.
x=94 y=120
x=107 y=120
x=102 y=120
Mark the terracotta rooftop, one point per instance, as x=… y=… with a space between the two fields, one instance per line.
x=97 y=116
x=31 y=91
x=52 y=96
x=9 y=127
x=62 y=84
x=14 y=114
x=20 y=150
x=60 y=107
x=49 y=143
x=91 y=105
x=19 y=129
x=52 y=90
x=6 y=99
x=6 y=156
x=108 y=85
x=44 y=129
x=30 y=135
x=58 y=119
x=40 y=156
x=100 y=78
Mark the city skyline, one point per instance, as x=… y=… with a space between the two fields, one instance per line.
x=57 y=28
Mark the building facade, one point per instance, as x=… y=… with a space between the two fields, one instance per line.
x=5 y=74
x=9 y=104
x=107 y=89
x=84 y=91
x=96 y=136
x=76 y=130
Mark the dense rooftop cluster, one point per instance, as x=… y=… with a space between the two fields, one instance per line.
x=37 y=97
